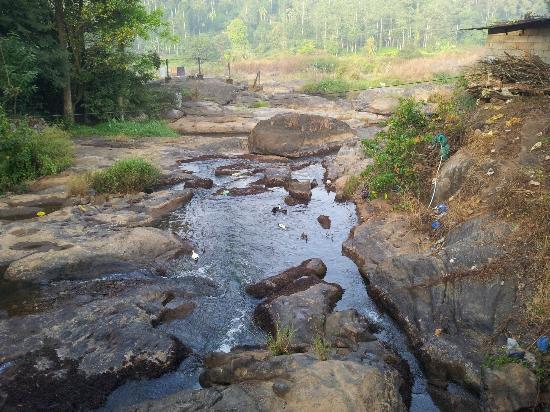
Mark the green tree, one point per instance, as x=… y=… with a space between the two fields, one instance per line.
x=237 y=33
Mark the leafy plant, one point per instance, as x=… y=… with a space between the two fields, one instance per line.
x=395 y=150
x=321 y=348
x=26 y=154
x=328 y=86
x=126 y=176
x=281 y=342
x=350 y=187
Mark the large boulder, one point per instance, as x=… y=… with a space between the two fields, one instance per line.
x=452 y=175
x=298 y=135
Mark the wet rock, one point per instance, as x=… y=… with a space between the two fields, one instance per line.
x=299 y=190
x=228 y=170
x=276 y=177
x=276 y=284
x=511 y=387
x=324 y=221
x=179 y=309
x=305 y=311
x=347 y=328
x=298 y=135
x=198 y=182
x=242 y=191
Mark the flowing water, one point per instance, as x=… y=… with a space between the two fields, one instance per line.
x=239 y=242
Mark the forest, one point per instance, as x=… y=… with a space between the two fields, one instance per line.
x=335 y=26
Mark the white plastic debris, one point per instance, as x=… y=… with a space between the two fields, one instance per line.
x=329 y=181
x=511 y=344
x=282 y=226
x=536 y=146
x=490 y=172
x=194 y=256
x=534 y=183
x=452 y=260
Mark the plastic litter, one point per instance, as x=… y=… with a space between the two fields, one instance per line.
x=490 y=172
x=441 y=208
x=517 y=354
x=534 y=183
x=281 y=226
x=225 y=193
x=543 y=344
x=436 y=225
x=438 y=332
x=445 y=148
x=536 y=146
x=40 y=214
x=194 y=256
x=278 y=209
x=329 y=181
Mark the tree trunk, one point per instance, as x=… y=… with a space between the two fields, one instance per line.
x=68 y=112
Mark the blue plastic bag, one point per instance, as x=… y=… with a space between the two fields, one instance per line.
x=543 y=343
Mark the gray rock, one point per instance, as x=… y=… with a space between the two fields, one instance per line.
x=299 y=190
x=511 y=387
x=452 y=175
x=173 y=114
x=298 y=135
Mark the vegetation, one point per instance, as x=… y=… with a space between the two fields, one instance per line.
x=63 y=56
x=27 y=154
x=128 y=128
x=259 y=104
x=126 y=176
x=395 y=151
x=321 y=348
x=328 y=86
x=281 y=342
x=260 y=27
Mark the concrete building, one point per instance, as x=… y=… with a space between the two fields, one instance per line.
x=525 y=38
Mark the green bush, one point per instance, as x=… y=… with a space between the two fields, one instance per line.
x=26 y=154
x=128 y=128
x=328 y=86
x=126 y=176
x=259 y=104
x=325 y=64
x=321 y=348
x=395 y=151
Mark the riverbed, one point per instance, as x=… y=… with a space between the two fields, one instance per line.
x=240 y=241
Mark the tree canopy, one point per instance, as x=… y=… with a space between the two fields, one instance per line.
x=336 y=26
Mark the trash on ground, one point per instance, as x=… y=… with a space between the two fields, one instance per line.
x=543 y=344
x=534 y=183
x=40 y=214
x=445 y=148
x=225 y=193
x=194 y=256
x=278 y=209
x=438 y=332
x=436 y=225
x=282 y=226
x=441 y=208
x=490 y=172
x=536 y=146
x=329 y=181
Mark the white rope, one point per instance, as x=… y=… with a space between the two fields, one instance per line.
x=436 y=176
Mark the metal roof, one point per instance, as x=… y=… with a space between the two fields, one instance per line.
x=505 y=27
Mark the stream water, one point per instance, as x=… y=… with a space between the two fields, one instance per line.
x=239 y=242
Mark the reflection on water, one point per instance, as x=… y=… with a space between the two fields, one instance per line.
x=239 y=242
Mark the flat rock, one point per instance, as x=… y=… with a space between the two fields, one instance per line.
x=299 y=190
x=298 y=135
x=324 y=221
x=510 y=387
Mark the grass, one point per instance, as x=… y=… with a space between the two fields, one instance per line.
x=27 y=154
x=353 y=183
x=131 y=175
x=281 y=342
x=321 y=348
x=259 y=104
x=126 y=128
x=328 y=86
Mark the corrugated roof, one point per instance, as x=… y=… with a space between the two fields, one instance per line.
x=505 y=27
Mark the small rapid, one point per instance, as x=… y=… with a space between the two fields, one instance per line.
x=239 y=241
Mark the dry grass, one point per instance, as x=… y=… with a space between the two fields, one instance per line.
x=79 y=185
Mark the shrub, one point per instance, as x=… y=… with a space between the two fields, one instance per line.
x=350 y=187
x=26 y=154
x=281 y=342
x=328 y=86
x=321 y=348
x=126 y=176
x=79 y=185
x=395 y=151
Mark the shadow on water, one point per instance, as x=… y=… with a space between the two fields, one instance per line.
x=239 y=242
